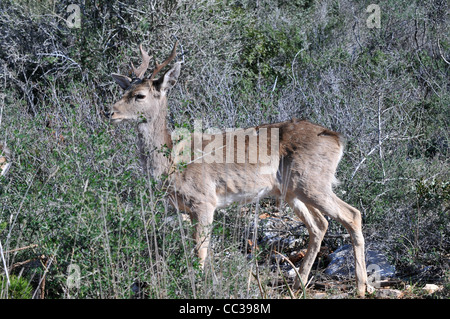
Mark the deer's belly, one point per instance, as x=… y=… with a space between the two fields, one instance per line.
x=242 y=197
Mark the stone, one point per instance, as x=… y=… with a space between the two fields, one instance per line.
x=342 y=264
x=431 y=288
x=388 y=293
x=320 y=295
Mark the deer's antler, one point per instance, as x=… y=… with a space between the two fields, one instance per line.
x=139 y=72
x=159 y=67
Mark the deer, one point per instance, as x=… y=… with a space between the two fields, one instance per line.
x=303 y=158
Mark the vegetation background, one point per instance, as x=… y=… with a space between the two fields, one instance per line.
x=74 y=194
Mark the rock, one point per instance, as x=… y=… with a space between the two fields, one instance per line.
x=424 y=274
x=319 y=295
x=388 y=293
x=296 y=256
x=343 y=295
x=342 y=264
x=278 y=231
x=292 y=273
x=431 y=288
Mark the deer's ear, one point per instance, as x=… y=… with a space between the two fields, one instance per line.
x=170 y=78
x=123 y=81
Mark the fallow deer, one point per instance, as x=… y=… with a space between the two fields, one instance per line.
x=301 y=169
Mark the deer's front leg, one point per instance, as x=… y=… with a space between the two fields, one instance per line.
x=203 y=218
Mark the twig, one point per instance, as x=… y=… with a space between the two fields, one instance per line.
x=368 y=154
x=58 y=54
x=380 y=149
x=275 y=84
x=4 y=264
x=291 y=293
x=46 y=269
x=181 y=47
x=293 y=63
x=440 y=52
x=43 y=281
x=21 y=248
x=1 y=109
x=261 y=290
x=21 y=263
x=296 y=272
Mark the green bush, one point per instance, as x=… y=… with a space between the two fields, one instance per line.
x=19 y=287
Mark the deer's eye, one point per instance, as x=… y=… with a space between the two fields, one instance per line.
x=139 y=96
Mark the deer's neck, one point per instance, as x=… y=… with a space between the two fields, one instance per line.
x=155 y=143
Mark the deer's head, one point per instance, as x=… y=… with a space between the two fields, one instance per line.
x=144 y=97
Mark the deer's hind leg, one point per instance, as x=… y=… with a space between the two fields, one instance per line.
x=329 y=204
x=317 y=226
